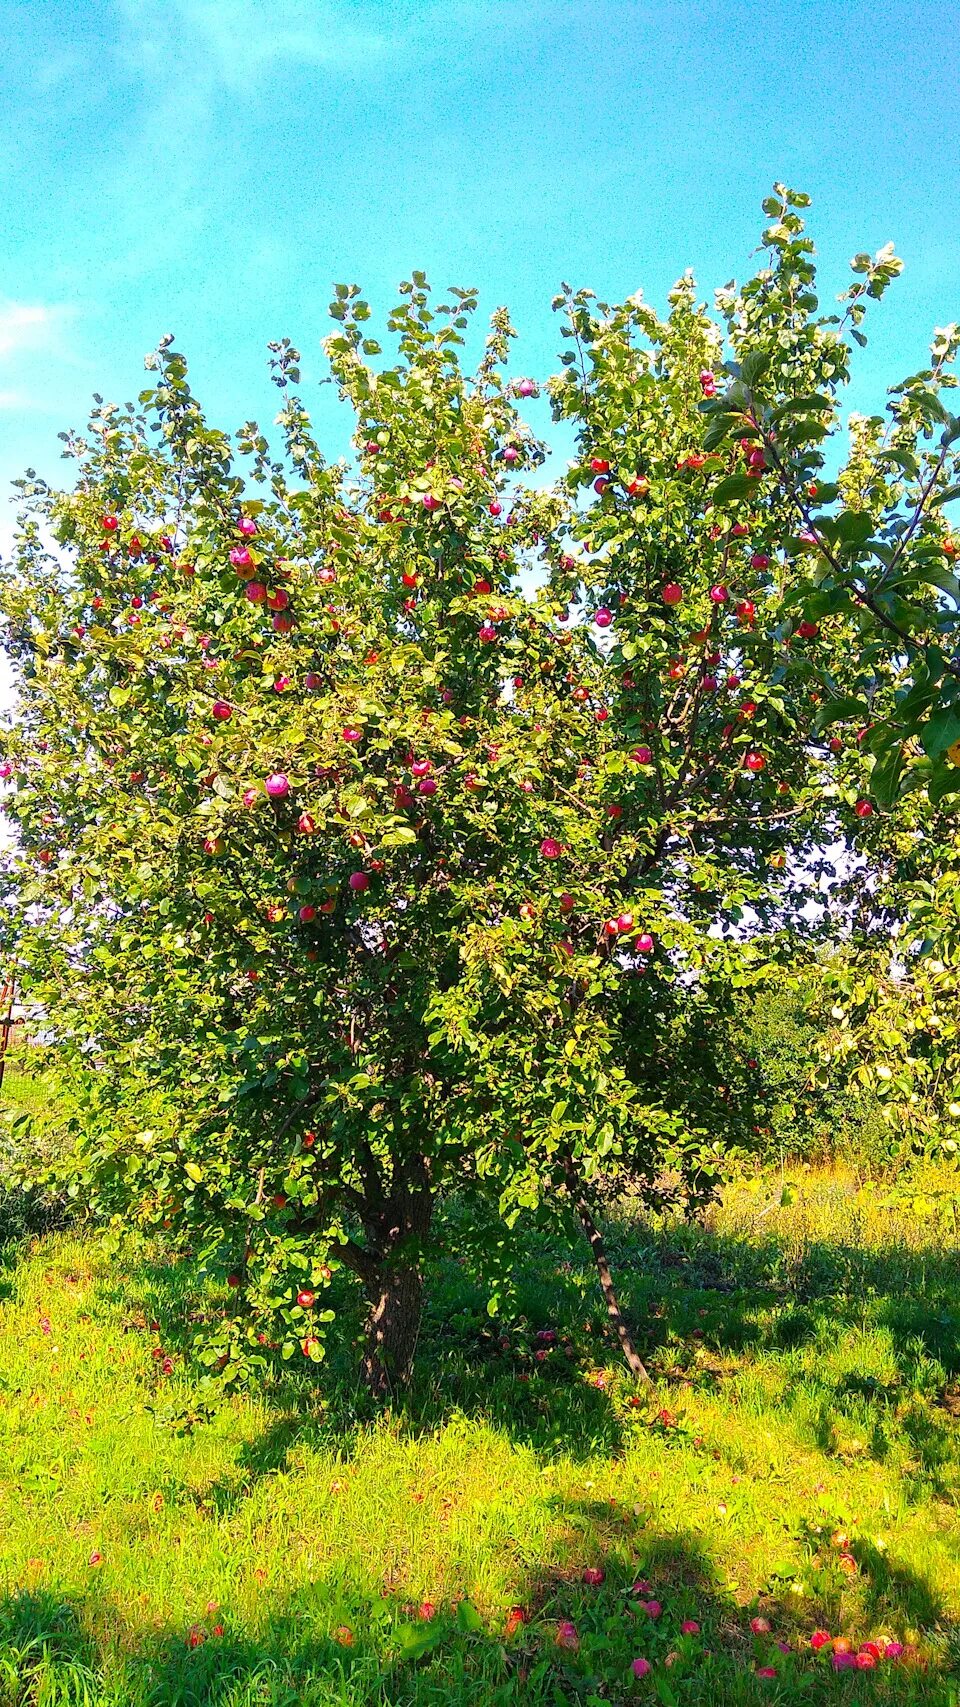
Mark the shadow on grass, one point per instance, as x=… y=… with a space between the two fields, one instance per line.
x=702 y=1304
x=330 y=1644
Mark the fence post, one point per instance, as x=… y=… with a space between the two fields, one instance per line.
x=6 y=1001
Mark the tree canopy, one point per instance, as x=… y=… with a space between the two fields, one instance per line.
x=384 y=826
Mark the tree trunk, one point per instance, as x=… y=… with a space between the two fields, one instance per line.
x=595 y=1238
x=393 y=1281
x=392 y=1327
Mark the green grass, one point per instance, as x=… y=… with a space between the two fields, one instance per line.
x=806 y=1358
x=23 y=1089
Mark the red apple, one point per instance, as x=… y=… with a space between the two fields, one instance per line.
x=672 y=593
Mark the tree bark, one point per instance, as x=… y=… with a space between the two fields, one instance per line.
x=391 y=1331
x=393 y=1280
x=595 y=1238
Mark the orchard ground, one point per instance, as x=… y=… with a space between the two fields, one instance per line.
x=799 y=1466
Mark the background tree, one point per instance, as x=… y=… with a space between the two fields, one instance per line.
x=376 y=821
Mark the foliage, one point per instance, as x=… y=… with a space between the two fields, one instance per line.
x=377 y=822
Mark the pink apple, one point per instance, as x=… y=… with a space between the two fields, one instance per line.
x=488 y=632
x=511 y=454
x=312 y=681
x=277 y=785
x=550 y=848
x=526 y=388
x=603 y=617
x=746 y=611
x=306 y=914
x=247 y=526
x=690 y=1627
x=719 y=594
x=567 y=903
x=250 y=796
x=352 y=734
x=279 y=600
x=256 y=592
x=430 y=502
x=641 y=1667
x=642 y=755
x=427 y=786
x=421 y=767
x=759 y=560
x=755 y=762
x=306 y=824
x=496 y=509
x=359 y=881
x=222 y=711
x=672 y=593
x=625 y=923
x=644 y=943
x=820 y=1639
x=240 y=557
x=593 y=1576
x=567 y=1636
x=863 y=809
x=282 y=624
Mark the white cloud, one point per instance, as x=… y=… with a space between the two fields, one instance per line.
x=26 y=326
x=233 y=42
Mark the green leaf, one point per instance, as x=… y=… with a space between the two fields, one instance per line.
x=732 y=489
x=754 y=365
x=941 y=731
x=853 y=527
x=415 y=1640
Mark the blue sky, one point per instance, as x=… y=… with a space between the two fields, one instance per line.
x=211 y=167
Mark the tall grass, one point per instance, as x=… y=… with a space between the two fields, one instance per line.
x=799 y=1464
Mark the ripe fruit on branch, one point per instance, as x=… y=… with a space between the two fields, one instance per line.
x=277 y=785
x=672 y=593
x=359 y=881
x=755 y=762
x=222 y=711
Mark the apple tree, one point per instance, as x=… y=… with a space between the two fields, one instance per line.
x=382 y=824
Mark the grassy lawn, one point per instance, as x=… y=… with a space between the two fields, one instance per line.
x=800 y=1465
